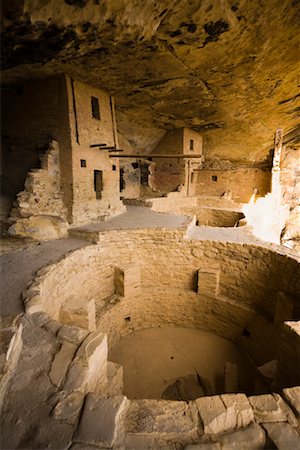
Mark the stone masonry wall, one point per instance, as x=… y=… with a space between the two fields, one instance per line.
x=85 y=131
x=240 y=181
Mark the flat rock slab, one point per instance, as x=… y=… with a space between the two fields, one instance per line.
x=284 y=436
x=100 y=419
x=225 y=412
x=162 y=416
x=272 y=408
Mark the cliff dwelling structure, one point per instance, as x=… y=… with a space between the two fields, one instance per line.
x=150 y=225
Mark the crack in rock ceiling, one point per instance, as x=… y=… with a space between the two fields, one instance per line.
x=227 y=68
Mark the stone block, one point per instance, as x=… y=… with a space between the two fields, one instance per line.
x=100 y=420
x=225 y=412
x=283 y=435
x=89 y=367
x=67 y=408
x=208 y=282
x=61 y=362
x=271 y=408
x=79 y=313
x=74 y=335
x=250 y=438
x=41 y=228
x=293 y=396
x=152 y=417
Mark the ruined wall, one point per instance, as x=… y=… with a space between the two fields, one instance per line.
x=131 y=174
x=240 y=181
x=42 y=194
x=87 y=130
x=35 y=113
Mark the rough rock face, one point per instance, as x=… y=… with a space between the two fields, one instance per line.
x=226 y=67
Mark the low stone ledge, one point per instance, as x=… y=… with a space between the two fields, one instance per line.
x=162 y=417
x=272 y=408
x=99 y=423
x=225 y=412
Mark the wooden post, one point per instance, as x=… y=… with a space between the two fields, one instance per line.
x=275 y=183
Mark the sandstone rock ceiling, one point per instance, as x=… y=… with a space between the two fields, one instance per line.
x=228 y=68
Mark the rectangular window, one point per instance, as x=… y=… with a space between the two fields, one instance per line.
x=98 y=183
x=191 y=144
x=82 y=163
x=114 y=167
x=95 y=108
x=214 y=178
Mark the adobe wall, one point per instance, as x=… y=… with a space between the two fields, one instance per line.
x=29 y=123
x=85 y=131
x=240 y=181
x=216 y=287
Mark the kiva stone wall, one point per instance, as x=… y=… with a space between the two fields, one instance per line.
x=217 y=287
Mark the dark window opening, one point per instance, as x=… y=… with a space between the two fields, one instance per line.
x=214 y=178
x=122 y=181
x=98 y=183
x=82 y=163
x=127 y=319
x=145 y=174
x=114 y=167
x=191 y=144
x=135 y=165
x=246 y=333
x=95 y=108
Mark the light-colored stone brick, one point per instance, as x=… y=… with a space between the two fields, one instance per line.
x=100 y=420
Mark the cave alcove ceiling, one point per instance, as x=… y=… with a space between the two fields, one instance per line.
x=228 y=69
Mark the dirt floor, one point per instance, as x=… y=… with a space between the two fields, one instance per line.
x=154 y=358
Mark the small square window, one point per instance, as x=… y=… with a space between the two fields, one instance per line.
x=95 y=108
x=192 y=144
x=214 y=178
x=114 y=167
x=82 y=163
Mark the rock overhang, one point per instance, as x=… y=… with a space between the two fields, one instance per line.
x=227 y=69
